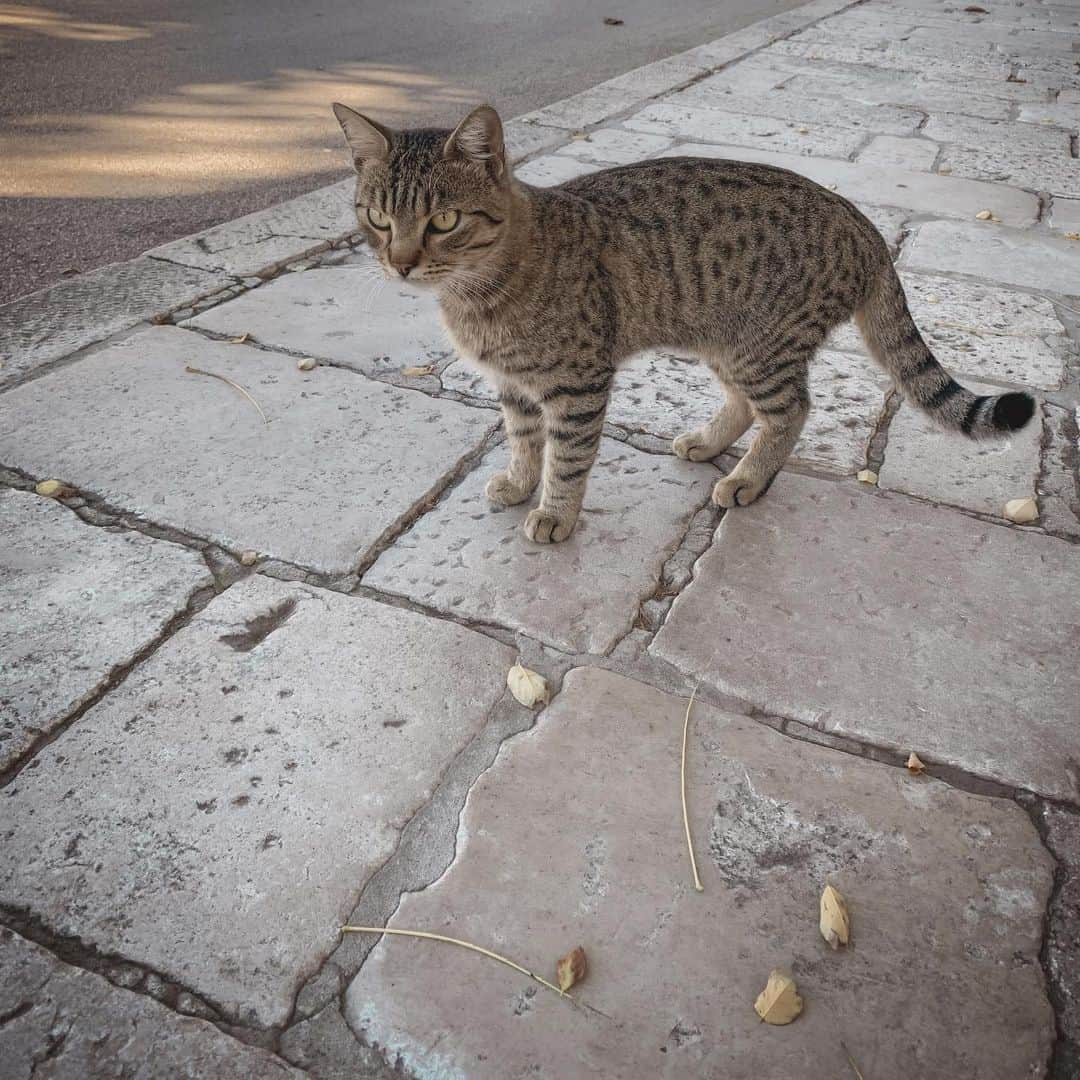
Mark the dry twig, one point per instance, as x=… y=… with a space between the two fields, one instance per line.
x=682 y=781
x=235 y=385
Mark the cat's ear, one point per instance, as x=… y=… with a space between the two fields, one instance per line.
x=367 y=140
x=479 y=137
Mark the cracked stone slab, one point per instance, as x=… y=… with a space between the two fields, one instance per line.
x=66 y=1023
x=46 y=326
x=1002 y=136
x=1016 y=165
x=1061 y=113
x=551 y=856
x=341 y=460
x=664 y=395
x=983 y=475
x=225 y=785
x=613 y=146
x=1059 y=484
x=767 y=133
x=352 y=315
x=979 y=329
x=472 y=559
x=269 y=237
x=879 y=185
x=76 y=603
x=721 y=93
x=895 y=623
x=1065 y=215
x=1040 y=261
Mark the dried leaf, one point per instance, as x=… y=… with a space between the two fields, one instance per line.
x=571 y=968
x=866 y=476
x=307 y=363
x=239 y=340
x=778 y=1003
x=915 y=764
x=803 y=131
x=52 y=489
x=976 y=10
x=835 y=924
x=984 y=215
x=527 y=686
x=1022 y=511
x=248 y=558
x=1072 y=236
x=613 y=22
x=944 y=170
x=417 y=372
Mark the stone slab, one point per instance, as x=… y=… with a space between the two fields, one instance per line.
x=553 y=169
x=1062 y=114
x=878 y=185
x=76 y=603
x=258 y=241
x=584 y=109
x=768 y=133
x=923 y=460
x=899 y=153
x=352 y=315
x=982 y=330
x=46 y=326
x=471 y=559
x=1065 y=215
x=998 y=136
x=613 y=146
x=1016 y=165
x=1062 y=830
x=551 y=856
x=895 y=623
x=340 y=461
x=217 y=815
x=1040 y=261
x=65 y=1023
x=723 y=95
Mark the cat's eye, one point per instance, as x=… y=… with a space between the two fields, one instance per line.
x=444 y=220
x=378 y=219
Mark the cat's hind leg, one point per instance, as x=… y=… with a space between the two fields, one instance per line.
x=726 y=427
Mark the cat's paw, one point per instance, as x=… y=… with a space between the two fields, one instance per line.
x=695 y=446
x=502 y=491
x=543 y=527
x=737 y=491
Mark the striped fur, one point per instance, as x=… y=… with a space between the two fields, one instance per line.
x=743 y=266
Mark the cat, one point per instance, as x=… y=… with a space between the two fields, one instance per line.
x=744 y=266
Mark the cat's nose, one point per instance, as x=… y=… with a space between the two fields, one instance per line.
x=404 y=269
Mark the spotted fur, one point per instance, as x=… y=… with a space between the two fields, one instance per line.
x=548 y=290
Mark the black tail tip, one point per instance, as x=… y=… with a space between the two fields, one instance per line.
x=1013 y=411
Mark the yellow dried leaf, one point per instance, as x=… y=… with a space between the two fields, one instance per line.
x=51 y=489
x=571 y=968
x=527 y=686
x=307 y=363
x=835 y=923
x=915 y=764
x=1072 y=236
x=778 y=1003
x=983 y=215
x=417 y=372
x=239 y=340
x=866 y=476
x=1022 y=511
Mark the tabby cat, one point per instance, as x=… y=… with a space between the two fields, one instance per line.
x=744 y=266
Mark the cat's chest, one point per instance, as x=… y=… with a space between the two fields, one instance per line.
x=483 y=341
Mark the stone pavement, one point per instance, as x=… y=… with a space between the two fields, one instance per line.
x=254 y=658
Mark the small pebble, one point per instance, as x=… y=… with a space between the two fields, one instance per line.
x=249 y=558
x=1022 y=511
x=51 y=489
x=866 y=476
x=309 y=363
x=983 y=215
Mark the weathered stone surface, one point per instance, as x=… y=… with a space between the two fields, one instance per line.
x=613 y=146
x=69 y=1024
x=899 y=153
x=926 y=193
x=983 y=249
x=1002 y=137
x=268 y=237
x=589 y=107
x=553 y=169
x=340 y=461
x=550 y=856
x=1061 y=113
x=768 y=133
x=1063 y=935
x=352 y=315
x=1065 y=215
x=522 y=138
x=888 y=221
x=721 y=93
x=45 y=326
x=226 y=786
x=1016 y=165
x=472 y=559
x=325 y=1046
x=923 y=460
x=1059 y=484
x=660 y=76
x=664 y=395
x=76 y=602
x=892 y=622
x=982 y=330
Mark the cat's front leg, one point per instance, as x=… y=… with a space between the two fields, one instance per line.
x=574 y=422
x=524 y=424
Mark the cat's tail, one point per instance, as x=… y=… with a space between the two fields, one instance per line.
x=896 y=344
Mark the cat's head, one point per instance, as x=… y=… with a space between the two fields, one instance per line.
x=432 y=204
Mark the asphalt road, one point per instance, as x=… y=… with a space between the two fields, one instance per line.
x=127 y=123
